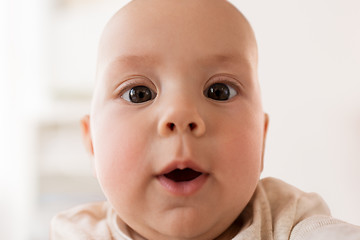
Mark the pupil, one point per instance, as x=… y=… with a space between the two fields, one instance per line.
x=140 y=94
x=218 y=91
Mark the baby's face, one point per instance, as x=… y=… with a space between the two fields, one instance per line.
x=177 y=127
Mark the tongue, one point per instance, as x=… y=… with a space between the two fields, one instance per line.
x=184 y=175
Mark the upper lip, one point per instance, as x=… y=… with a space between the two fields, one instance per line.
x=181 y=164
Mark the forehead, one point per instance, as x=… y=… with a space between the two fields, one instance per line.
x=156 y=35
x=153 y=29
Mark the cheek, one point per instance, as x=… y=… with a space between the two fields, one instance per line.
x=242 y=159
x=240 y=149
x=119 y=144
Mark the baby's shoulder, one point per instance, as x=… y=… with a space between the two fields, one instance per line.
x=302 y=215
x=280 y=194
x=324 y=227
x=276 y=207
x=93 y=210
x=86 y=221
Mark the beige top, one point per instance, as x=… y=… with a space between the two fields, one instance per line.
x=276 y=211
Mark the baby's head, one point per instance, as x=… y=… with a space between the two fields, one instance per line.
x=177 y=128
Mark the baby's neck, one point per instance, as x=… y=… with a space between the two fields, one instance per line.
x=229 y=233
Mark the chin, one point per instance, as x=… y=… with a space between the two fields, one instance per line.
x=184 y=234
x=187 y=227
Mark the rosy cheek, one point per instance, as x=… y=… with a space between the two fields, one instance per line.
x=243 y=152
x=116 y=153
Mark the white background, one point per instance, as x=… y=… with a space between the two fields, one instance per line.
x=309 y=71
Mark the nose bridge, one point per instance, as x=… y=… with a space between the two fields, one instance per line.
x=180 y=114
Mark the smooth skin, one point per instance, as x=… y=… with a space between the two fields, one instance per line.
x=177 y=51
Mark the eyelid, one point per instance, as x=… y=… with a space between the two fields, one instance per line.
x=226 y=79
x=134 y=81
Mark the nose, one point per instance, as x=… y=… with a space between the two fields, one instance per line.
x=181 y=120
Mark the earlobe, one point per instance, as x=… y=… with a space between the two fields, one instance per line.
x=266 y=124
x=85 y=127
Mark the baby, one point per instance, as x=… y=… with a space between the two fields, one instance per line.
x=177 y=132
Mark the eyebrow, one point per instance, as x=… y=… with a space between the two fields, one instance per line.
x=223 y=58
x=136 y=59
x=149 y=60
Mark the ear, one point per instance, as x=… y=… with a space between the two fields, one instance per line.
x=85 y=127
x=266 y=124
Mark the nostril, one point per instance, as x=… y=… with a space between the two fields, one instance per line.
x=171 y=126
x=192 y=126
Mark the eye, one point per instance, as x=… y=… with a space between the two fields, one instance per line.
x=220 y=92
x=139 y=94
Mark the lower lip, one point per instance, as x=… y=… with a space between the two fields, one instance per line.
x=185 y=188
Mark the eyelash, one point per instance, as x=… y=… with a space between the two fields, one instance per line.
x=133 y=82
x=225 y=80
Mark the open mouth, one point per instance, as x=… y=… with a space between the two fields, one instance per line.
x=182 y=179
x=183 y=175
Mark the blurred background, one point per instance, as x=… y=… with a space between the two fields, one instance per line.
x=309 y=72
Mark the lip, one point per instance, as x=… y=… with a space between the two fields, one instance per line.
x=181 y=164
x=182 y=188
